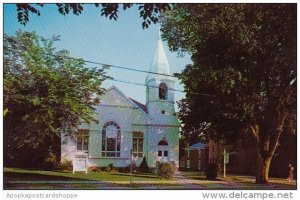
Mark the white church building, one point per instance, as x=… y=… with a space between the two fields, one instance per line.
x=127 y=129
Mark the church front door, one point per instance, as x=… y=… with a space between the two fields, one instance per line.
x=163 y=151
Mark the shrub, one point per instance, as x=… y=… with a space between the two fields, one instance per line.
x=109 y=168
x=51 y=161
x=127 y=169
x=94 y=169
x=144 y=166
x=212 y=171
x=112 y=167
x=165 y=170
x=114 y=171
x=66 y=165
x=124 y=169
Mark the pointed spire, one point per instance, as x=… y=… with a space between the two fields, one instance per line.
x=159 y=33
x=160 y=62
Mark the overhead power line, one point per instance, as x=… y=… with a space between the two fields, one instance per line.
x=140 y=84
x=127 y=68
x=172 y=89
x=109 y=65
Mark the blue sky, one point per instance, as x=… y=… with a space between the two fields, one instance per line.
x=96 y=38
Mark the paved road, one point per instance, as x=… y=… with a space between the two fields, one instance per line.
x=179 y=182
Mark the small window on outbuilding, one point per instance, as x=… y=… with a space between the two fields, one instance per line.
x=188 y=164
x=163 y=91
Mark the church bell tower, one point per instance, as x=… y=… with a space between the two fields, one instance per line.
x=160 y=88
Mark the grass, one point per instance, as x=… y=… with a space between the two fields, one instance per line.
x=15 y=178
x=15 y=174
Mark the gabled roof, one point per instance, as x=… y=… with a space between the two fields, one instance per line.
x=140 y=105
x=197 y=146
x=133 y=102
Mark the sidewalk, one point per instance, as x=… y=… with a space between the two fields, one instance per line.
x=236 y=182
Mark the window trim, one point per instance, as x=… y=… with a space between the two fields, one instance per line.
x=161 y=145
x=138 y=152
x=82 y=133
x=117 y=152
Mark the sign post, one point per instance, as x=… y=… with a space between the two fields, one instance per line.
x=80 y=164
x=131 y=166
x=224 y=163
x=226 y=160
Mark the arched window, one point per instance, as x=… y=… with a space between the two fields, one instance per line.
x=111 y=139
x=163 y=91
x=163 y=143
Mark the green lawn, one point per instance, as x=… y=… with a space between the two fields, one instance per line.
x=14 y=174
x=15 y=178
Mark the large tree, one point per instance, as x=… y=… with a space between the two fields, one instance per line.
x=46 y=92
x=149 y=12
x=243 y=76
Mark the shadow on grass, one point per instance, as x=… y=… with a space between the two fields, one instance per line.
x=152 y=176
x=202 y=178
x=31 y=180
x=17 y=176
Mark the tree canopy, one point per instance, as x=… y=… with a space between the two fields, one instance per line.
x=245 y=58
x=46 y=92
x=149 y=12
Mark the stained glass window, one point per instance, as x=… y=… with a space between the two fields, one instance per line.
x=111 y=140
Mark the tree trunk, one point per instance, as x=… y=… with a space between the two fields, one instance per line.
x=262 y=172
x=266 y=145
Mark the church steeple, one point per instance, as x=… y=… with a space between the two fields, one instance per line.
x=160 y=89
x=159 y=82
x=160 y=62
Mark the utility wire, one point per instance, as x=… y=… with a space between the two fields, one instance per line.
x=172 y=89
x=125 y=68
x=140 y=84
x=106 y=65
